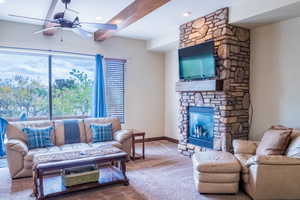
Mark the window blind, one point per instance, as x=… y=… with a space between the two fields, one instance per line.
x=114 y=85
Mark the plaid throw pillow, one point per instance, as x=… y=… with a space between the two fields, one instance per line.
x=101 y=132
x=39 y=137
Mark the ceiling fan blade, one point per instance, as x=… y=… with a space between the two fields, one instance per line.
x=81 y=32
x=97 y=26
x=47 y=29
x=31 y=18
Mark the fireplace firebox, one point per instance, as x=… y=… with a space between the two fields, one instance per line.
x=201 y=126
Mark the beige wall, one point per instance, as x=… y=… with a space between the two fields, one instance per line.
x=243 y=10
x=171 y=96
x=275 y=71
x=144 y=98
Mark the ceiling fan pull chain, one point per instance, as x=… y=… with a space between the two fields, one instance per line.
x=61 y=35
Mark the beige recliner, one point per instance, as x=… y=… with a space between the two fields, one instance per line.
x=20 y=157
x=270 y=177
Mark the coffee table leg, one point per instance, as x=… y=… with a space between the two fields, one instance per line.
x=41 y=187
x=144 y=147
x=123 y=169
x=34 y=178
x=133 y=147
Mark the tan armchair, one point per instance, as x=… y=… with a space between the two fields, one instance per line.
x=267 y=177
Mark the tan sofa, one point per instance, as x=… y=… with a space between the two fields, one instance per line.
x=20 y=157
x=269 y=177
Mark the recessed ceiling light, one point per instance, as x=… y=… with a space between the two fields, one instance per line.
x=97 y=18
x=186 y=14
x=2 y=1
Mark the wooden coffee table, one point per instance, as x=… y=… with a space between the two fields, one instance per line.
x=46 y=186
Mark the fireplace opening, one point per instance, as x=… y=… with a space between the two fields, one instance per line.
x=201 y=126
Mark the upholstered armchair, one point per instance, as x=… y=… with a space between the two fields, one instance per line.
x=269 y=177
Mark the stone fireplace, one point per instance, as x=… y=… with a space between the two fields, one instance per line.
x=214 y=112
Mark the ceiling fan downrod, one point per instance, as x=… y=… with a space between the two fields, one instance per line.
x=66 y=2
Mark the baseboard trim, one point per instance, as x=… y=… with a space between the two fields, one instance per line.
x=172 y=140
x=152 y=139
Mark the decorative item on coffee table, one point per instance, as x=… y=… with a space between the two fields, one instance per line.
x=138 y=134
x=80 y=175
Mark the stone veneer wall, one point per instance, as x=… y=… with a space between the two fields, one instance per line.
x=232 y=49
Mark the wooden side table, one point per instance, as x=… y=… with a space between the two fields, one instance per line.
x=138 y=136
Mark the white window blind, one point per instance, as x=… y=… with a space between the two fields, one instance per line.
x=114 y=81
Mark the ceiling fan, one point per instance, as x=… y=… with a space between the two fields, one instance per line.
x=69 y=20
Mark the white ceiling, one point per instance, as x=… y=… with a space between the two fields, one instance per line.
x=167 y=19
x=88 y=9
x=162 y=21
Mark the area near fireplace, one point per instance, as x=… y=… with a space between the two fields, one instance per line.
x=201 y=126
x=226 y=97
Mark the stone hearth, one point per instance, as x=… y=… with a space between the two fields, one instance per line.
x=231 y=104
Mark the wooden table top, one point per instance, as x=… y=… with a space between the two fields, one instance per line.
x=81 y=161
x=137 y=132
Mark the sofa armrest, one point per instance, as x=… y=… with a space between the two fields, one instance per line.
x=272 y=160
x=17 y=145
x=122 y=135
x=244 y=146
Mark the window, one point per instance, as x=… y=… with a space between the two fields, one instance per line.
x=72 y=86
x=114 y=80
x=53 y=86
x=23 y=85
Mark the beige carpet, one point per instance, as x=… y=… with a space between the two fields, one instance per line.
x=163 y=175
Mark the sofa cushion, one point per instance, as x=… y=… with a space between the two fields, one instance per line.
x=101 y=132
x=293 y=149
x=244 y=146
x=215 y=162
x=279 y=127
x=39 y=137
x=116 y=125
x=60 y=131
x=274 y=142
x=14 y=129
x=272 y=160
x=100 y=144
x=75 y=146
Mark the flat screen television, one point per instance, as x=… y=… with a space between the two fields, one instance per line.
x=197 y=62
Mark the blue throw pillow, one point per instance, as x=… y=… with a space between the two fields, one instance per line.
x=39 y=137
x=102 y=132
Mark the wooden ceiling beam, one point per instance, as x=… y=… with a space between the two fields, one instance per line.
x=132 y=13
x=49 y=17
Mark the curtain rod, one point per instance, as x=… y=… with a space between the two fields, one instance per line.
x=44 y=50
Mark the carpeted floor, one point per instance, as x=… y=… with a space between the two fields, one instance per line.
x=3 y=162
x=163 y=175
